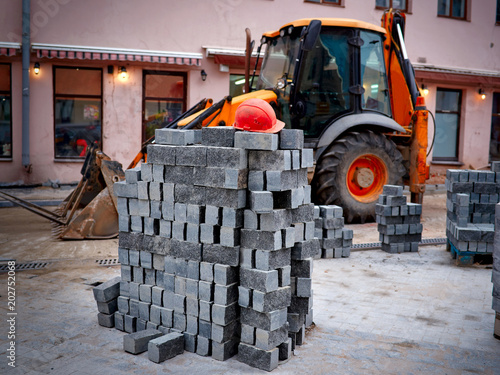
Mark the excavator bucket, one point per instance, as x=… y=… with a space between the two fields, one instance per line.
x=98 y=220
x=90 y=211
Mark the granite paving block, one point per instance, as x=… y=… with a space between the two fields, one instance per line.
x=222 y=157
x=261 y=201
x=260 y=239
x=224 y=274
x=225 y=294
x=109 y=307
x=177 y=137
x=263 y=359
x=256 y=141
x=158 y=173
x=106 y=320
x=107 y=291
x=276 y=300
x=291 y=139
x=225 y=255
x=137 y=342
x=224 y=314
x=268 y=340
x=204 y=346
x=222 y=334
x=146 y=172
x=270 y=260
x=190 y=341
x=264 y=281
x=161 y=154
x=247 y=334
x=130 y=323
x=225 y=350
x=218 y=136
x=125 y=190
x=266 y=321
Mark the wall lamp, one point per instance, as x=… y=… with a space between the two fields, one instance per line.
x=123 y=72
x=203 y=75
x=36 y=68
x=482 y=93
x=425 y=89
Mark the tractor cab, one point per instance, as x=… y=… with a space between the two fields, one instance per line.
x=324 y=70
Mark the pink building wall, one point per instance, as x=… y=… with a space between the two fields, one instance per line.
x=191 y=25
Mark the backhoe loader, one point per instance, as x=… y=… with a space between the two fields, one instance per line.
x=351 y=88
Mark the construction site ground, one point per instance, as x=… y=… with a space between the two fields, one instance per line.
x=374 y=313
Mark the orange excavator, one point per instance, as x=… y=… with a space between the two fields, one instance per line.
x=351 y=88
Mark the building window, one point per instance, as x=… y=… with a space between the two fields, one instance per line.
x=498 y=12
x=453 y=9
x=164 y=100
x=394 y=4
x=77 y=110
x=448 y=109
x=495 y=129
x=237 y=84
x=329 y=2
x=5 y=113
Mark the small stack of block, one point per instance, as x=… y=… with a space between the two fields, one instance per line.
x=335 y=240
x=278 y=230
x=106 y=295
x=471 y=199
x=216 y=243
x=398 y=221
x=495 y=278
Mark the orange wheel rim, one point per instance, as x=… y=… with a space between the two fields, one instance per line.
x=366 y=178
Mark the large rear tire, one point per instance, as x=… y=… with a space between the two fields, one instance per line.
x=352 y=172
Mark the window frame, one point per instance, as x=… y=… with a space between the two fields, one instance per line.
x=9 y=158
x=339 y=3
x=497 y=17
x=146 y=72
x=56 y=96
x=441 y=159
x=407 y=10
x=466 y=17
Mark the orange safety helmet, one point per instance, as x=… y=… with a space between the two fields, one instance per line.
x=257 y=115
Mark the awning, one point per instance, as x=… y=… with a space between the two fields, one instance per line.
x=456 y=75
x=9 y=49
x=115 y=54
x=231 y=57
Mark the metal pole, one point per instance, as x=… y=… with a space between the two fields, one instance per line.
x=26 y=87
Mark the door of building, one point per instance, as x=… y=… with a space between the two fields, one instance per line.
x=448 y=108
x=495 y=129
x=164 y=99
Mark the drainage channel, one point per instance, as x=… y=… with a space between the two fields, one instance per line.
x=25 y=266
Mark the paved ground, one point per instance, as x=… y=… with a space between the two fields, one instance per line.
x=375 y=313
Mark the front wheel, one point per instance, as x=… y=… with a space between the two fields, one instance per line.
x=353 y=171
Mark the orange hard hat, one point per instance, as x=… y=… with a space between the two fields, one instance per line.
x=257 y=115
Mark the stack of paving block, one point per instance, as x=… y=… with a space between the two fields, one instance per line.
x=216 y=242
x=106 y=295
x=398 y=221
x=335 y=240
x=471 y=199
x=496 y=273
x=277 y=247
